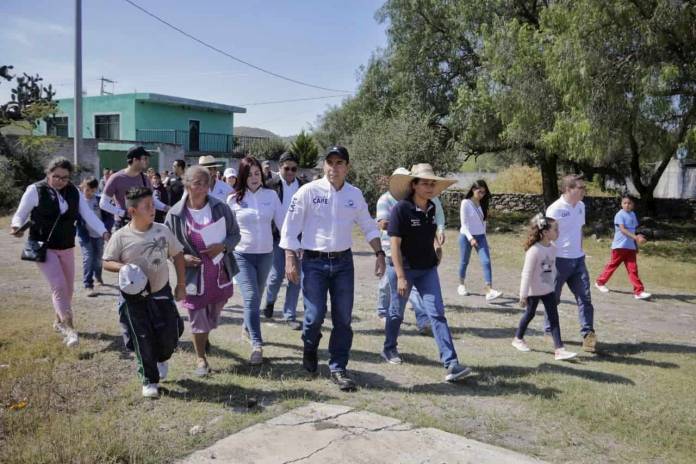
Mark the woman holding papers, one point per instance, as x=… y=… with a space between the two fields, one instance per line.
x=208 y=230
x=254 y=207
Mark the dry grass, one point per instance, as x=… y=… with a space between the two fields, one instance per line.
x=634 y=402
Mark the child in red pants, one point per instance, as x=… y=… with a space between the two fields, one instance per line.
x=624 y=249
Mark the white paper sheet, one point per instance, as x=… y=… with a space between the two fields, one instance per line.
x=215 y=233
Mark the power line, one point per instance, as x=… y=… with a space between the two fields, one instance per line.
x=273 y=102
x=222 y=52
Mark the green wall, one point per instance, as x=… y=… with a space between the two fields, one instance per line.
x=107 y=104
x=157 y=116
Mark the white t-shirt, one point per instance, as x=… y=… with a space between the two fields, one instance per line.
x=471 y=217
x=570 y=221
x=203 y=216
x=254 y=215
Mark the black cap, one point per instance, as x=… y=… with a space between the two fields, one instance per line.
x=342 y=152
x=137 y=152
x=287 y=156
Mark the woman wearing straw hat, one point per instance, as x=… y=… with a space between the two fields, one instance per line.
x=412 y=230
x=218 y=188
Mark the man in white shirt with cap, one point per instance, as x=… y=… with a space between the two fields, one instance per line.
x=219 y=189
x=324 y=212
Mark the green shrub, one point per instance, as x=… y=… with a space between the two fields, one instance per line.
x=268 y=149
x=305 y=149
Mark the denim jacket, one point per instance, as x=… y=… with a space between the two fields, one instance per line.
x=176 y=221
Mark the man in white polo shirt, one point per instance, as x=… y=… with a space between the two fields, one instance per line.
x=569 y=212
x=324 y=212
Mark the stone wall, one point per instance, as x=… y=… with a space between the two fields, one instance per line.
x=599 y=209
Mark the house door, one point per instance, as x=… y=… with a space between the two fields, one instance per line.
x=194 y=135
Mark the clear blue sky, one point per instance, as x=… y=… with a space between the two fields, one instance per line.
x=321 y=42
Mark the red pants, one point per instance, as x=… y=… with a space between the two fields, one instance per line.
x=628 y=257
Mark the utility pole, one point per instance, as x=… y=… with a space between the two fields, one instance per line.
x=77 y=123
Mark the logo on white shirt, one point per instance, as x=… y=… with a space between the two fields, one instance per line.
x=350 y=204
x=320 y=201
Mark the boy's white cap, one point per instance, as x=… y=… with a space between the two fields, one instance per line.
x=230 y=172
x=131 y=279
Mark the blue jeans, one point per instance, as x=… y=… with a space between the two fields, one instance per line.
x=427 y=282
x=574 y=272
x=92 y=251
x=384 y=300
x=253 y=271
x=275 y=280
x=337 y=277
x=551 y=315
x=483 y=253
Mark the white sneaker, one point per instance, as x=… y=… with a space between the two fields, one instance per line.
x=642 y=296
x=562 y=354
x=59 y=327
x=493 y=294
x=163 y=369
x=520 y=344
x=601 y=288
x=151 y=390
x=71 y=338
x=461 y=290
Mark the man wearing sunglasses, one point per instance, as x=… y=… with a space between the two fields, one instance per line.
x=285 y=186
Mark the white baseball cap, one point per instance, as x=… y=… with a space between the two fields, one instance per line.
x=230 y=172
x=132 y=280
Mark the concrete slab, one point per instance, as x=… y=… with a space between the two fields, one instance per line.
x=320 y=433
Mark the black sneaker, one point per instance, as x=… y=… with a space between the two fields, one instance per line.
x=268 y=310
x=310 y=361
x=293 y=324
x=344 y=382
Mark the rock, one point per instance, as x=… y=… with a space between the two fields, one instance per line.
x=195 y=430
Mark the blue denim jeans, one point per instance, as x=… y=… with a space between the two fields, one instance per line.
x=483 y=253
x=275 y=280
x=574 y=272
x=427 y=282
x=337 y=277
x=384 y=300
x=92 y=251
x=253 y=272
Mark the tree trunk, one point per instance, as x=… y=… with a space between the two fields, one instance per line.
x=549 y=177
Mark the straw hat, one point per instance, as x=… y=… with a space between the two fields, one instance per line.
x=209 y=162
x=400 y=183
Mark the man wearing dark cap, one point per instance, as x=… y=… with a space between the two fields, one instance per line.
x=286 y=185
x=324 y=212
x=113 y=200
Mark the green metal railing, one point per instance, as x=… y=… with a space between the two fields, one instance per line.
x=206 y=141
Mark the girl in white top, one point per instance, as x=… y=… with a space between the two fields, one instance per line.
x=254 y=207
x=537 y=284
x=472 y=234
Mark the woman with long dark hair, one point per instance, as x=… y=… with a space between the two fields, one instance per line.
x=472 y=234
x=255 y=207
x=53 y=206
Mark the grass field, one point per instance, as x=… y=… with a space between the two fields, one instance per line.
x=635 y=401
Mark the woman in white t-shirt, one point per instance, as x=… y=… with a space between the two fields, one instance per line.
x=254 y=207
x=472 y=234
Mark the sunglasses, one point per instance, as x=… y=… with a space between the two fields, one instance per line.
x=288 y=168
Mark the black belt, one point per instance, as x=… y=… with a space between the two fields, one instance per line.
x=311 y=254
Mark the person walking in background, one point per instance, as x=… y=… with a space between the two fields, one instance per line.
x=175 y=186
x=569 y=213
x=384 y=206
x=91 y=242
x=624 y=249
x=230 y=177
x=218 y=188
x=210 y=264
x=538 y=283
x=113 y=199
x=285 y=187
x=324 y=212
x=53 y=205
x=473 y=213
x=160 y=194
x=255 y=207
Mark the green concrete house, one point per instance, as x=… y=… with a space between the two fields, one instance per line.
x=120 y=120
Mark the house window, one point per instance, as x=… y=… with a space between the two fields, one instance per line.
x=107 y=126
x=57 y=126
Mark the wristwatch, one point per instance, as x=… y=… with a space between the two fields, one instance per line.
x=379 y=253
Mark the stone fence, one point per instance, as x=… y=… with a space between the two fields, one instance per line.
x=598 y=209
